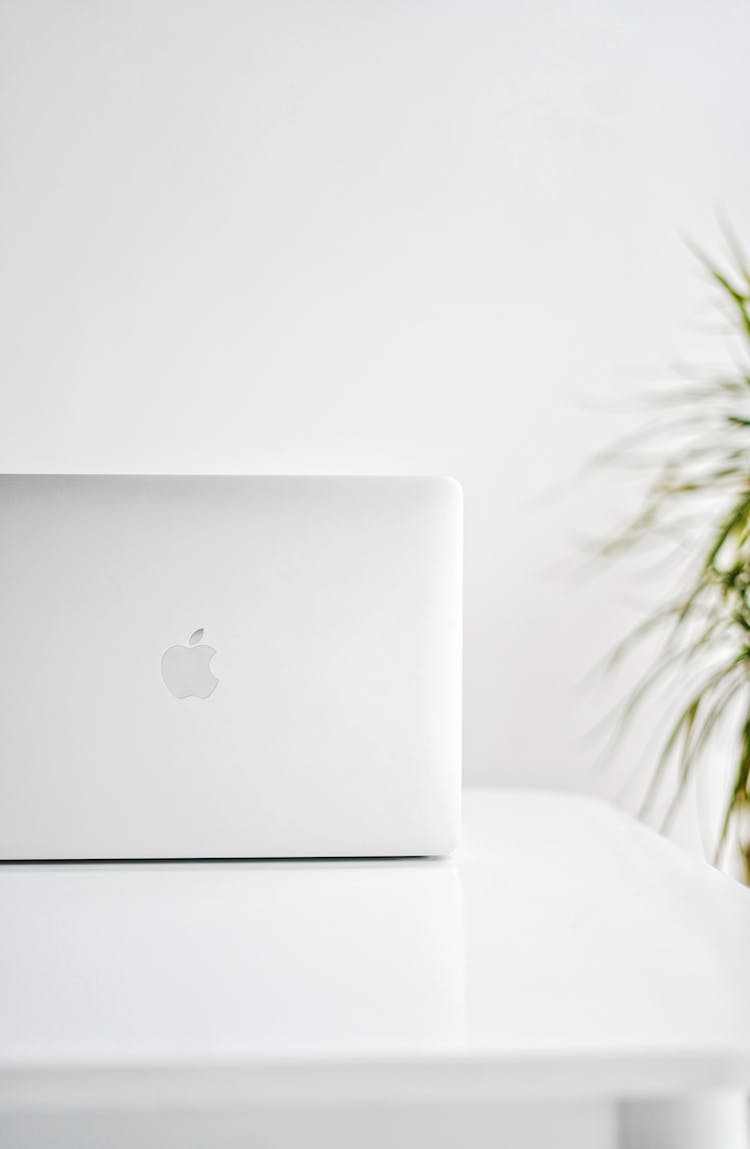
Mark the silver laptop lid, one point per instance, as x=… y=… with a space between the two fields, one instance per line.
x=229 y=667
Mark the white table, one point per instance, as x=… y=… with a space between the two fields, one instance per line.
x=568 y=978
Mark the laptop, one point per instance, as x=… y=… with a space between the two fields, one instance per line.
x=229 y=667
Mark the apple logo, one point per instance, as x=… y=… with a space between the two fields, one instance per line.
x=186 y=670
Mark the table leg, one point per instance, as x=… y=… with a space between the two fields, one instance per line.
x=709 y=1121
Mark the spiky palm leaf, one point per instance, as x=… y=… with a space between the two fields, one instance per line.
x=705 y=429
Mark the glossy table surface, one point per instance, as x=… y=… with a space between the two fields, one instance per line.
x=563 y=951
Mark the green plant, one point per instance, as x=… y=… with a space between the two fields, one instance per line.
x=697 y=502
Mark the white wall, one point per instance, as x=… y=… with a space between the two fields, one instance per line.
x=370 y=235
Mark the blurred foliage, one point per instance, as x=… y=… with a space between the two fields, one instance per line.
x=697 y=455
